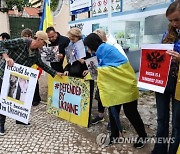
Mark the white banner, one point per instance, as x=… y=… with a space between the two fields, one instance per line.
x=79 y=6
x=17 y=92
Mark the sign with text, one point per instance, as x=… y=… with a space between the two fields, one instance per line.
x=69 y=98
x=155 y=65
x=17 y=92
x=100 y=7
x=77 y=6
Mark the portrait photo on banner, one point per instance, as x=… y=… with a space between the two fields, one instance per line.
x=18 y=87
x=17 y=91
x=50 y=54
x=75 y=51
x=92 y=64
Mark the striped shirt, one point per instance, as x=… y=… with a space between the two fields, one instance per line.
x=19 y=51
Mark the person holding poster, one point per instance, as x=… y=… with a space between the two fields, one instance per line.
x=117 y=85
x=77 y=68
x=62 y=42
x=172 y=36
x=24 y=52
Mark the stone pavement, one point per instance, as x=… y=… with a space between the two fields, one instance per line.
x=48 y=134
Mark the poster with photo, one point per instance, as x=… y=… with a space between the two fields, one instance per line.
x=50 y=54
x=154 y=66
x=92 y=64
x=17 y=92
x=75 y=51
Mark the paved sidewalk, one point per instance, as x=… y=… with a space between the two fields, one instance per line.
x=50 y=135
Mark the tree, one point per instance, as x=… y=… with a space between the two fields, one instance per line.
x=54 y=4
x=20 y=4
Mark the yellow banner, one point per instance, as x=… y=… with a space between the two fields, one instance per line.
x=178 y=152
x=69 y=98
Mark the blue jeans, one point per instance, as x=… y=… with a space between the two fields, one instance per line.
x=163 y=114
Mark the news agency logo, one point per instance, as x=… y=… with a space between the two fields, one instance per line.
x=104 y=140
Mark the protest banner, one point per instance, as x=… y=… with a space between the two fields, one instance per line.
x=154 y=69
x=92 y=64
x=75 y=51
x=69 y=98
x=17 y=92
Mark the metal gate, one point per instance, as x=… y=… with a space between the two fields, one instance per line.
x=17 y=24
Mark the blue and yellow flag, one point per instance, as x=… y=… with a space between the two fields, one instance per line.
x=47 y=19
x=116 y=79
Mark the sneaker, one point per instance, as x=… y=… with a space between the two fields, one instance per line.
x=108 y=128
x=96 y=120
x=21 y=123
x=140 y=142
x=2 y=130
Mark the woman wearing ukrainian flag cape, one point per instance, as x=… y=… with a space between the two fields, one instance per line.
x=117 y=86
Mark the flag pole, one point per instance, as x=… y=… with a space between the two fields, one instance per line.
x=109 y=17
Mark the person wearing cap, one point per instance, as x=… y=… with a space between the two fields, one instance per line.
x=62 y=42
x=25 y=52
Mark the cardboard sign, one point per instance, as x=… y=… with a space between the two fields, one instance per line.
x=75 y=51
x=50 y=54
x=17 y=92
x=69 y=98
x=155 y=64
x=92 y=64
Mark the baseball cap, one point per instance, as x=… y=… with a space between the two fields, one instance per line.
x=42 y=35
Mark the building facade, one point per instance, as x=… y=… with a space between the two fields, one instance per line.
x=134 y=22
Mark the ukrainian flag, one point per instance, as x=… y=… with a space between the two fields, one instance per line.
x=116 y=79
x=47 y=19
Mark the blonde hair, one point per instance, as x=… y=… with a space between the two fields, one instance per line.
x=101 y=34
x=74 y=32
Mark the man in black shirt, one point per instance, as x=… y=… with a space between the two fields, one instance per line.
x=56 y=39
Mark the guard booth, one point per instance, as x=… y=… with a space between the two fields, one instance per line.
x=17 y=24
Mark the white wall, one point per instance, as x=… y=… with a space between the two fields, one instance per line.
x=4 y=22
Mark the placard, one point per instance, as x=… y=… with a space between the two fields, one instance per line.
x=17 y=92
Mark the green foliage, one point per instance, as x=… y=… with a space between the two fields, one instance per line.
x=54 y=4
x=120 y=35
x=19 y=3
